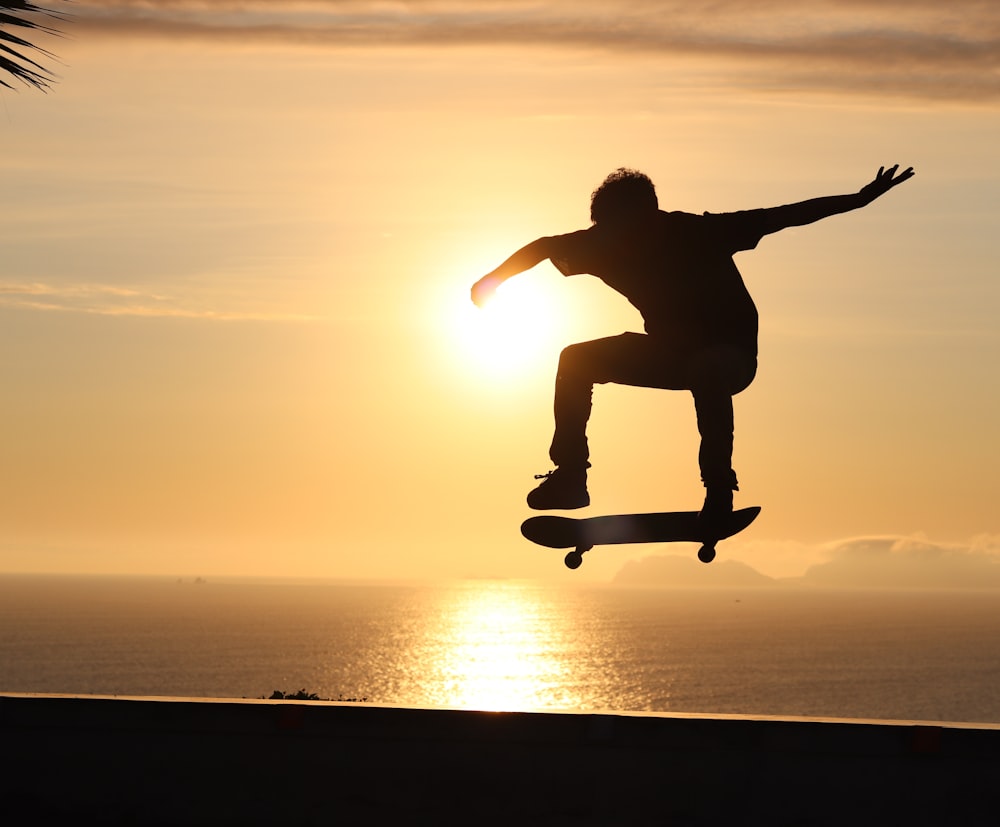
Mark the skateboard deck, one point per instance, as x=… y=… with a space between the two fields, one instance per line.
x=582 y=534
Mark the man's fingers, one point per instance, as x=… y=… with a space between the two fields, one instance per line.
x=903 y=176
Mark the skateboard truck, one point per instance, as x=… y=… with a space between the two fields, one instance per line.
x=574 y=559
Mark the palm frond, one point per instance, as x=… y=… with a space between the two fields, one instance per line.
x=14 y=49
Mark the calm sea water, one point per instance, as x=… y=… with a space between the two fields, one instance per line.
x=511 y=645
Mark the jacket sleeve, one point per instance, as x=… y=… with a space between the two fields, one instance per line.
x=572 y=253
x=736 y=231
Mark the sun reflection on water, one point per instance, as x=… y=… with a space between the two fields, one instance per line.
x=497 y=646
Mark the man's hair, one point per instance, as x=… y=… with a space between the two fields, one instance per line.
x=625 y=194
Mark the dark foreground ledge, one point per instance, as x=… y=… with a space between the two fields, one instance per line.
x=92 y=760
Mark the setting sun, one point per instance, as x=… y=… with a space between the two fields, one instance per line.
x=510 y=334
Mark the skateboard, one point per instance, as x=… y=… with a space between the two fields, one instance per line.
x=582 y=534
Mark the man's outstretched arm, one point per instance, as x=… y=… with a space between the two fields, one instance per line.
x=806 y=212
x=524 y=259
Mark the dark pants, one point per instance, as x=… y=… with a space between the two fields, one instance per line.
x=713 y=376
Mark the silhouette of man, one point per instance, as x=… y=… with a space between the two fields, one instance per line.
x=677 y=269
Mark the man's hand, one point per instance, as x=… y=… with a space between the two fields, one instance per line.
x=484 y=289
x=884 y=181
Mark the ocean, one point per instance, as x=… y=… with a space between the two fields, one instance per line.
x=508 y=645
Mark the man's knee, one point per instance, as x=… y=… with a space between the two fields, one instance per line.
x=724 y=369
x=573 y=360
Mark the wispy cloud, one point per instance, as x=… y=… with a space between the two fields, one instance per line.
x=111 y=300
x=909 y=47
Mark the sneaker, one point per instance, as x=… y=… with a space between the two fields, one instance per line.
x=718 y=507
x=561 y=488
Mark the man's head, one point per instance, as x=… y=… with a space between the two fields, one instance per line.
x=625 y=196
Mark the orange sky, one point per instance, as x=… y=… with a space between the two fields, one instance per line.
x=237 y=245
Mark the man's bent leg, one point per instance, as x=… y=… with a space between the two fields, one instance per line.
x=627 y=359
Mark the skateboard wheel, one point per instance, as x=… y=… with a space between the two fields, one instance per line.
x=574 y=559
x=706 y=553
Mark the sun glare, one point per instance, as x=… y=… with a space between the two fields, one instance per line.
x=516 y=330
